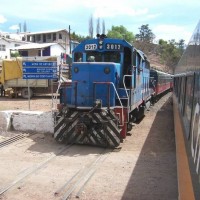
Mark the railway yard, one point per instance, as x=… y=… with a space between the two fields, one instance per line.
x=34 y=167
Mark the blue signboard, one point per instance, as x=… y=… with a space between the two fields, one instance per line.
x=39 y=70
x=39 y=64
x=39 y=76
x=50 y=70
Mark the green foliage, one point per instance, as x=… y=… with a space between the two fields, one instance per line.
x=121 y=32
x=181 y=45
x=78 y=38
x=145 y=35
x=144 y=40
x=15 y=54
x=167 y=52
x=170 y=52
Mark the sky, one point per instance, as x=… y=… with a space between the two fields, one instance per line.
x=168 y=19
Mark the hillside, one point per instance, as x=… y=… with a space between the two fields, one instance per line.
x=160 y=57
x=155 y=62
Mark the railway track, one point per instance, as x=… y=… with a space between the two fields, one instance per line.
x=15 y=138
x=30 y=171
x=79 y=180
x=75 y=184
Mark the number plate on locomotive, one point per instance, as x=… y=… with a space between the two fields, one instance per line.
x=89 y=47
x=111 y=46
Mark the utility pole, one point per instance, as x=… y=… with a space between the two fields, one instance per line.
x=70 y=51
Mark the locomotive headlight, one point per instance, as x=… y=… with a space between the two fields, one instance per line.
x=106 y=70
x=100 y=44
x=76 y=69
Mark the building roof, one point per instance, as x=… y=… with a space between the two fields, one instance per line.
x=13 y=40
x=33 y=46
x=43 y=32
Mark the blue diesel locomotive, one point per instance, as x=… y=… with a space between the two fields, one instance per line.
x=109 y=90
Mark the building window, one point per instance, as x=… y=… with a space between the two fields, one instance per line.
x=60 y=36
x=2 y=47
x=38 y=37
x=49 y=36
x=16 y=45
x=54 y=37
x=28 y=38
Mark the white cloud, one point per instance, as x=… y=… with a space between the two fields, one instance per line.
x=2 y=19
x=45 y=9
x=118 y=11
x=168 y=32
x=129 y=13
x=14 y=27
x=111 y=8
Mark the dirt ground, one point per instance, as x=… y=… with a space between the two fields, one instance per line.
x=41 y=103
x=143 y=168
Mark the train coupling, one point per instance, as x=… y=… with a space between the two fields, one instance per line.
x=81 y=128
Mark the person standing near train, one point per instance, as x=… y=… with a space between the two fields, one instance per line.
x=2 y=90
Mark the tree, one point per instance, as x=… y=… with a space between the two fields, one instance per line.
x=98 y=29
x=20 y=27
x=78 y=38
x=25 y=27
x=15 y=54
x=144 y=40
x=181 y=45
x=169 y=52
x=91 y=27
x=121 y=32
x=145 y=35
x=103 y=27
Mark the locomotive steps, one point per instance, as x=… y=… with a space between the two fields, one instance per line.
x=32 y=121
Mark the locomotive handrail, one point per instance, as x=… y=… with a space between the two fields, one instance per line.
x=126 y=88
x=54 y=97
x=76 y=84
x=113 y=87
x=111 y=83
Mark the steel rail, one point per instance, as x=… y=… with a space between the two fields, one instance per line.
x=82 y=176
x=14 y=139
x=32 y=170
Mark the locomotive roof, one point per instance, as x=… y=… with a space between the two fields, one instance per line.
x=159 y=72
x=81 y=46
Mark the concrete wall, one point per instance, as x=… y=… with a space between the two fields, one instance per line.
x=26 y=121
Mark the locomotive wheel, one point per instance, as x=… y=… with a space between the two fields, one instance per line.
x=129 y=127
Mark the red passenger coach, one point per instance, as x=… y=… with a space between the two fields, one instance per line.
x=160 y=82
x=162 y=87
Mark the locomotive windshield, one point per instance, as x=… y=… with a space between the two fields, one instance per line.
x=110 y=56
x=94 y=56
